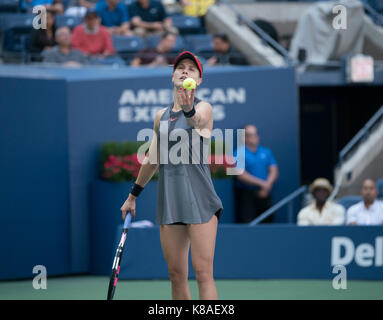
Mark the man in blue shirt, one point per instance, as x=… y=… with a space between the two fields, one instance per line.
x=149 y=18
x=253 y=186
x=54 y=6
x=114 y=16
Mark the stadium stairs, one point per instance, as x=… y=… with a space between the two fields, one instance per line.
x=283 y=16
x=363 y=159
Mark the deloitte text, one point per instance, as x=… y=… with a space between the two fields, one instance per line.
x=344 y=251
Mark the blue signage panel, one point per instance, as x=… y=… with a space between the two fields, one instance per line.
x=268 y=252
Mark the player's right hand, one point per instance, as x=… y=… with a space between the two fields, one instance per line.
x=129 y=206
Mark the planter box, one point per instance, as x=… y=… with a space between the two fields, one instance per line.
x=106 y=199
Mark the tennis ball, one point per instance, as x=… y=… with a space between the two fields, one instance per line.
x=189 y=84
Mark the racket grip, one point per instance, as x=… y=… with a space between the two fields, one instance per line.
x=128 y=220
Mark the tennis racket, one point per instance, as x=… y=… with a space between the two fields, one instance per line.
x=117 y=259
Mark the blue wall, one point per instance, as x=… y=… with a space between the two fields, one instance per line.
x=266 y=252
x=54 y=120
x=34 y=190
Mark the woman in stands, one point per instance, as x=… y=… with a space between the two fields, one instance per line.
x=188 y=207
x=43 y=39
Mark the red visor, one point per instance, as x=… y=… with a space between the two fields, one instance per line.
x=188 y=55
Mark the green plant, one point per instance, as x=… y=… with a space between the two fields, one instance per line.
x=119 y=161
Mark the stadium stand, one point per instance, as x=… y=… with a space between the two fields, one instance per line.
x=348 y=201
x=199 y=42
x=127 y=47
x=68 y=21
x=152 y=42
x=9 y=6
x=196 y=35
x=15 y=28
x=187 y=25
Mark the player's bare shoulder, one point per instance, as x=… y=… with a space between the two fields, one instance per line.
x=205 y=105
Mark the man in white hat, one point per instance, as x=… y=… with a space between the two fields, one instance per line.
x=322 y=211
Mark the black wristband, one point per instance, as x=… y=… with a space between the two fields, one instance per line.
x=190 y=113
x=136 y=190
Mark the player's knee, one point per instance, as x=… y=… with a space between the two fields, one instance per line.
x=177 y=275
x=203 y=272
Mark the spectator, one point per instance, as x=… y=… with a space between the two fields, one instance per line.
x=115 y=16
x=322 y=211
x=223 y=52
x=196 y=8
x=91 y=38
x=78 y=8
x=370 y=210
x=253 y=186
x=62 y=53
x=55 y=6
x=159 y=56
x=89 y=4
x=149 y=17
x=43 y=39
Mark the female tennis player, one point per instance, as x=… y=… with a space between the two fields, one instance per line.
x=188 y=207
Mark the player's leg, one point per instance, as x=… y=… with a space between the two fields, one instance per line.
x=202 y=241
x=175 y=246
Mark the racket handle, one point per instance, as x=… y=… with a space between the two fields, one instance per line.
x=128 y=220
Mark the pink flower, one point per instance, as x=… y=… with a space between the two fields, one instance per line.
x=107 y=165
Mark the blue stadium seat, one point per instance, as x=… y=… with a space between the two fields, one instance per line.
x=379 y=185
x=15 y=44
x=69 y=21
x=66 y=3
x=16 y=29
x=348 y=201
x=9 y=6
x=199 y=42
x=127 y=2
x=16 y=20
x=124 y=44
x=15 y=41
x=375 y=4
x=152 y=42
x=187 y=24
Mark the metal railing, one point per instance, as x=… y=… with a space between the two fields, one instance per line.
x=286 y=201
x=362 y=135
x=375 y=16
x=265 y=37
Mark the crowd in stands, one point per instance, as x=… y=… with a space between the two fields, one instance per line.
x=96 y=25
x=367 y=211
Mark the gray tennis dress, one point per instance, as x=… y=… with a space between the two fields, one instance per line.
x=186 y=193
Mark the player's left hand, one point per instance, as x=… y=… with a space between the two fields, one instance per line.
x=186 y=99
